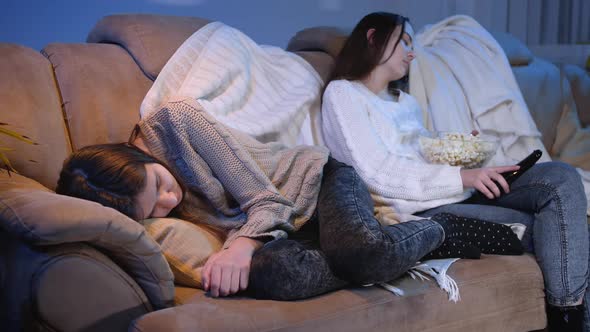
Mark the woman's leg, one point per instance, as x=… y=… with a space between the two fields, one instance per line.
x=553 y=196
x=489 y=213
x=290 y=270
x=358 y=248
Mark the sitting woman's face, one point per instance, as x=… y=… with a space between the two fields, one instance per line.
x=397 y=61
x=161 y=193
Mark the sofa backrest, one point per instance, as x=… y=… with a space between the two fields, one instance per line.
x=101 y=88
x=31 y=106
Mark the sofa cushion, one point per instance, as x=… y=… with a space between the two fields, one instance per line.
x=40 y=217
x=580 y=84
x=31 y=107
x=517 y=52
x=185 y=245
x=498 y=293
x=101 y=87
x=322 y=38
x=541 y=85
x=332 y=39
x=320 y=61
x=150 y=39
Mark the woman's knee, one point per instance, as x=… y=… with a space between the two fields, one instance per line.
x=286 y=270
x=363 y=264
x=558 y=173
x=345 y=211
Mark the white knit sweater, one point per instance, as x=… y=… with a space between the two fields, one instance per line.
x=375 y=134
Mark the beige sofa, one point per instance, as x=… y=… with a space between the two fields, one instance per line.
x=67 y=265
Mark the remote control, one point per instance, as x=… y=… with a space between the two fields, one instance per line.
x=524 y=164
x=510 y=177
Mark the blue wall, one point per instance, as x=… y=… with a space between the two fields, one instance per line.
x=35 y=23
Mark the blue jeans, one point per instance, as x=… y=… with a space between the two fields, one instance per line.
x=549 y=199
x=343 y=244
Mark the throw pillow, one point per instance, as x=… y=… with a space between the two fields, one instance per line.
x=185 y=245
x=38 y=216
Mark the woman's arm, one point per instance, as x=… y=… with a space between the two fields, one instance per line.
x=351 y=137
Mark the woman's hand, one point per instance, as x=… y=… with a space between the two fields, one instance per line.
x=483 y=179
x=226 y=272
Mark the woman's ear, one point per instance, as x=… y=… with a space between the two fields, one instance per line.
x=370 y=34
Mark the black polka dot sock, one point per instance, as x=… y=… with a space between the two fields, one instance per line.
x=454 y=248
x=490 y=238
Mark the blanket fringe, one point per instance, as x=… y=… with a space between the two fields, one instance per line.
x=437 y=269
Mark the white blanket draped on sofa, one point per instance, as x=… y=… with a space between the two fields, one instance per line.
x=463 y=81
x=263 y=91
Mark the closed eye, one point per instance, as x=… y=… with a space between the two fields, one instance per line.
x=408 y=44
x=407 y=41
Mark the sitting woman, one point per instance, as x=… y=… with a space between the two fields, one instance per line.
x=367 y=124
x=181 y=162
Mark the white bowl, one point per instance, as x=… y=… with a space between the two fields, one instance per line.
x=457 y=149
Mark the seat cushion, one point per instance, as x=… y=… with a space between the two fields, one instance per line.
x=498 y=293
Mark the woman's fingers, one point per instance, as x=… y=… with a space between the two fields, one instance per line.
x=215 y=282
x=503 y=169
x=491 y=185
x=484 y=190
x=244 y=277
x=225 y=280
x=234 y=286
x=499 y=179
x=206 y=274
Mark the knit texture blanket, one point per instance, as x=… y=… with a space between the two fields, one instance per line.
x=263 y=91
x=463 y=81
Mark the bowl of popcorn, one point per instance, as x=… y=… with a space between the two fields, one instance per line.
x=457 y=149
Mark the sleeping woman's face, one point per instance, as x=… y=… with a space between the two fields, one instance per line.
x=161 y=192
x=397 y=65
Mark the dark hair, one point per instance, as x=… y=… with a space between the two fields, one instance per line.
x=113 y=175
x=110 y=174
x=358 y=56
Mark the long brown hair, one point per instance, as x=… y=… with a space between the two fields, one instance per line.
x=358 y=56
x=114 y=175
x=110 y=174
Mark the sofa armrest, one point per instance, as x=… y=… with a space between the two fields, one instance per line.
x=65 y=287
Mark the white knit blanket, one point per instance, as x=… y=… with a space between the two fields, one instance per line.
x=463 y=81
x=263 y=91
